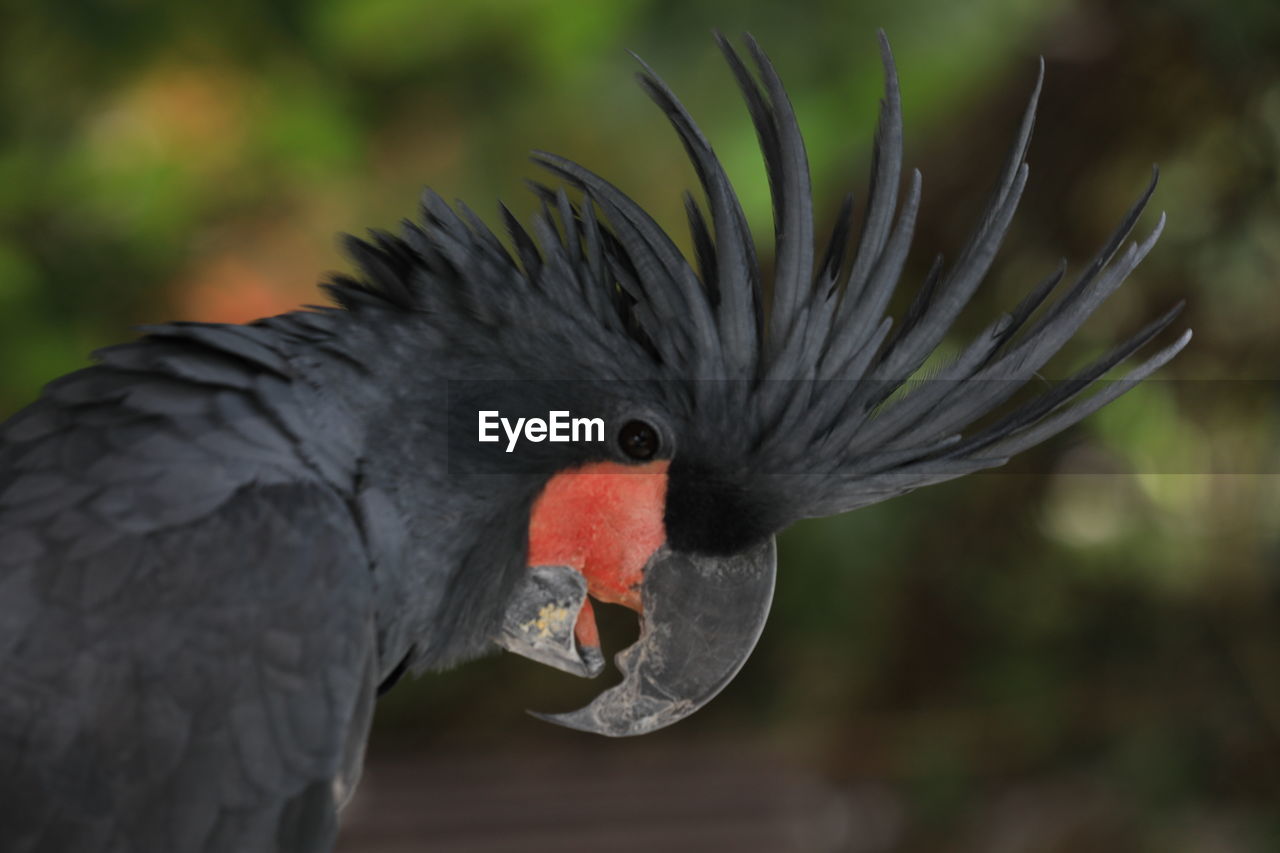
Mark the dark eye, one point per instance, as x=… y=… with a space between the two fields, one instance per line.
x=639 y=440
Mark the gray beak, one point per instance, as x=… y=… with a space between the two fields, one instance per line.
x=539 y=621
x=702 y=617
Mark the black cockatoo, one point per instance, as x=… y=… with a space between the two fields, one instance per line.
x=217 y=543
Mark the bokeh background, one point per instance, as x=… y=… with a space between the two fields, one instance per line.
x=1079 y=653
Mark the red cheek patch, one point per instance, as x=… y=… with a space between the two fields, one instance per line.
x=605 y=520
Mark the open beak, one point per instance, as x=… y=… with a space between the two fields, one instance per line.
x=700 y=620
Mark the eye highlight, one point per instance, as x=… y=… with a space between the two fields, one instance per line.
x=639 y=441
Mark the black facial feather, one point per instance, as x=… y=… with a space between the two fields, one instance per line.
x=709 y=512
x=804 y=391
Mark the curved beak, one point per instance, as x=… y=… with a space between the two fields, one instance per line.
x=701 y=619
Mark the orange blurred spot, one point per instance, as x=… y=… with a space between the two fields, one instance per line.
x=230 y=290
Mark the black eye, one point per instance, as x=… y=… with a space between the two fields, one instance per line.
x=639 y=440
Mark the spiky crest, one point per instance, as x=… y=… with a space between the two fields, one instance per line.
x=808 y=383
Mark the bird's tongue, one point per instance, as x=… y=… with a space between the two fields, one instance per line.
x=599 y=530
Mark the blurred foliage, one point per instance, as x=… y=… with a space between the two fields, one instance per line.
x=1098 y=623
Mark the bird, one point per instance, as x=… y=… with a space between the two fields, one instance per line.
x=221 y=542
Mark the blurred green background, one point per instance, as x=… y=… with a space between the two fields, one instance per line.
x=1080 y=653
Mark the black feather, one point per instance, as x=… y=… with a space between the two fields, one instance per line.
x=807 y=378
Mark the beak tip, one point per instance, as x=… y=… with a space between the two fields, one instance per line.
x=583 y=720
x=592 y=660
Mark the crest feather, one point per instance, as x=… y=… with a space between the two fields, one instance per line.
x=805 y=375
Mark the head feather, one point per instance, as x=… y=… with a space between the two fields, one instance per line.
x=803 y=382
